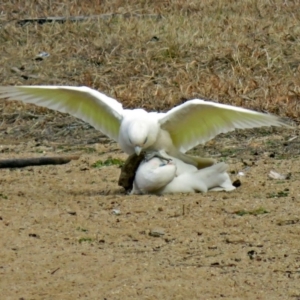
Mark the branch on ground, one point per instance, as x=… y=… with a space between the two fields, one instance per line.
x=42 y=21
x=36 y=161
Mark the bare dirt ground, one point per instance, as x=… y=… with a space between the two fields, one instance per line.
x=69 y=231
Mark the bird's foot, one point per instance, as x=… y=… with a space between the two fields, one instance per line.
x=151 y=154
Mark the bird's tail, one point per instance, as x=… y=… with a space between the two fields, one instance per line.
x=215 y=177
x=198 y=162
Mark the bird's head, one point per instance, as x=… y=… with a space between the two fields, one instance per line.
x=154 y=174
x=142 y=134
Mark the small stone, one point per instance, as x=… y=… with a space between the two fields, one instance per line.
x=157 y=232
x=116 y=212
x=34 y=235
x=237 y=183
x=275 y=175
x=72 y=213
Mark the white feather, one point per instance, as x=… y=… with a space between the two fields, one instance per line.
x=197 y=121
x=95 y=108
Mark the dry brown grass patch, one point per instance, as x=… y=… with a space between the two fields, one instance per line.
x=243 y=53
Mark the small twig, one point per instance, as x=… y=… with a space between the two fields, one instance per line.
x=53 y=272
x=42 y=21
x=36 y=161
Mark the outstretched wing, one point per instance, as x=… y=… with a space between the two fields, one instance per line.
x=95 y=108
x=197 y=121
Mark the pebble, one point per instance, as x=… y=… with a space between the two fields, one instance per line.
x=157 y=232
x=116 y=212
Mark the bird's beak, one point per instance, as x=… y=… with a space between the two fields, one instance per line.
x=137 y=150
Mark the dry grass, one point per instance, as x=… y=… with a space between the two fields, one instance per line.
x=245 y=53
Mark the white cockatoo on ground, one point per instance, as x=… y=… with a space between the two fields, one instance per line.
x=176 y=131
x=161 y=176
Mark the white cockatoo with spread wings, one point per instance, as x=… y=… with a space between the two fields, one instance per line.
x=176 y=131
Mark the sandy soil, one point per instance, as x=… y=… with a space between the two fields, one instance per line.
x=60 y=238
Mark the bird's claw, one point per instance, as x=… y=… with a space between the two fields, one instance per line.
x=152 y=154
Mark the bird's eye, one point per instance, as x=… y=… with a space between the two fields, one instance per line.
x=145 y=141
x=162 y=165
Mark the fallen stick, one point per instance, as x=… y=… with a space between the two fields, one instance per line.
x=42 y=21
x=36 y=161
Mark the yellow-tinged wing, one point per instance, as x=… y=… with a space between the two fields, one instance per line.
x=91 y=106
x=197 y=121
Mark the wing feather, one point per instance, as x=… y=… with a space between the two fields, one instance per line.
x=91 y=106
x=197 y=121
